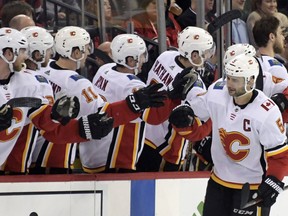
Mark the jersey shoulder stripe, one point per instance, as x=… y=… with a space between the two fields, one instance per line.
x=41 y=79
x=132 y=77
x=77 y=77
x=219 y=85
x=274 y=62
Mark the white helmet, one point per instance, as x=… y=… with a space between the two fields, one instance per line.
x=238 y=49
x=39 y=39
x=69 y=37
x=243 y=66
x=196 y=39
x=14 y=39
x=125 y=45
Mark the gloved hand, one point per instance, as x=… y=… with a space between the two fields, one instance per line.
x=6 y=115
x=146 y=97
x=207 y=73
x=280 y=100
x=182 y=116
x=95 y=126
x=65 y=108
x=203 y=147
x=269 y=190
x=182 y=83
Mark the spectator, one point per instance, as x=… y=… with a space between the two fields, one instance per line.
x=21 y=21
x=145 y=23
x=13 y=8
x=188 y=17
x=239 y=28
x=260 y=9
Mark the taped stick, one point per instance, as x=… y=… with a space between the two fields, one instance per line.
x=223 y=19
x=31 y=102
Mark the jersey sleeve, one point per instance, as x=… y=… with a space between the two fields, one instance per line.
x=197 y=131
x=120 y=111
x=157 y=115
x=53 y=131
x=273 y=138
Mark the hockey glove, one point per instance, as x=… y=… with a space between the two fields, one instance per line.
x=203 y=147
x=6 y=115
x=65 y=108
x=268 y=190
x=182 y=116
x=281 y=101
x=182 y=83
x=146 y=97
x=95 y=126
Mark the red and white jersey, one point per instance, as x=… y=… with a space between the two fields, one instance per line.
x=164 y=70
x=70 y=83
x=20 y=85
x=273 y=66
x=52 y=154
x=126 y=141
x=242 y=136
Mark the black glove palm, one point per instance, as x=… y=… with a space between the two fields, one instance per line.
x=281 y=101
x=182 y=116
x=65 y=108
x=269 y=190
x=95 y=126
x=6 y=115
x=146 y=97
x=182 y=83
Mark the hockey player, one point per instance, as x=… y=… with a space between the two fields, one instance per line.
x=269 y=38
x=195 y=47
x=114 y=82
x=15 y=122
x=249 y=142
x=73 y=44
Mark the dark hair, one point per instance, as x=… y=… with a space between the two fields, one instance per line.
x=263 y=28
x=144 y=3
x=14 y=8
x=255 y=4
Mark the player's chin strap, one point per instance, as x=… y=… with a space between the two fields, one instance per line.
x=247 y=91
x=10 y=63
x=197 y=65
x=78 y=61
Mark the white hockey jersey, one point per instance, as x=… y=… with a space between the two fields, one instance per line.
x=21 y=84
x=241 y=136
x=164 y=70
x=273 y=66
x=126 y=141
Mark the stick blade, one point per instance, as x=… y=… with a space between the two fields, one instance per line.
x=223 y=19
x=245 y=194
x=31 y=102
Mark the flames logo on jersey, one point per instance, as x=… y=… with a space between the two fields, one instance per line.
x=235 y=144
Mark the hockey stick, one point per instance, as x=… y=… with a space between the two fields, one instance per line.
x=245 y=194
x=223 y=19
x=25 y=102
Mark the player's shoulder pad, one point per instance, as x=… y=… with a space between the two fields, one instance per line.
x=132 y=77
x=76 y=77
x=199 y=84
x=41 y=79
x=275 y=62
x=219 y=85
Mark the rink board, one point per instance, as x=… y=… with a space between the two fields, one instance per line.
x=143 y=194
